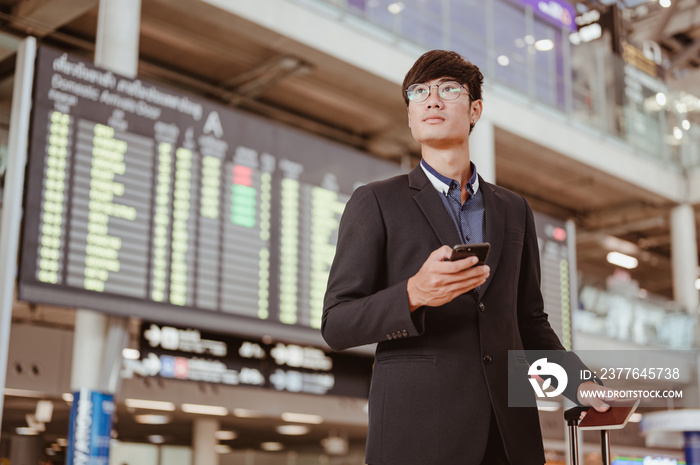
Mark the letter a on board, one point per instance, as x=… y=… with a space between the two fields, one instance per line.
x=213 y=124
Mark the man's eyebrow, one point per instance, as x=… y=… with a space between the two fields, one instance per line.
x=439 y=80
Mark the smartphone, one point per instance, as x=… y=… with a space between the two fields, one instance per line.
x=461 y=251
x=616 y=417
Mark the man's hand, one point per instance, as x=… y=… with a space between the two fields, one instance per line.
x=439 y=281
x=596 y=397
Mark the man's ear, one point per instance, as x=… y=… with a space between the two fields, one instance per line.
x=409 y=117
x=477 y=108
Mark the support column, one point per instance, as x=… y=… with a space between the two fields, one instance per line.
x=684 y=257
x=117 y=44
x=98 y=338
x=12 y=202
x=482 y=149
x=88 y=347
x=204 y=442
x=26 y=450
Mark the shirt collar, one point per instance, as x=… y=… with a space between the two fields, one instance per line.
x=442 y=183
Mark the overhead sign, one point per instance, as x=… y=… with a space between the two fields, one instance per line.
x=90 y=429
x=558 y=12
x=188 y=354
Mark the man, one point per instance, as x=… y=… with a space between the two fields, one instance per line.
x=439 y=391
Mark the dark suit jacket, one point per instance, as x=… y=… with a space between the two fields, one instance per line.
x=439 y=371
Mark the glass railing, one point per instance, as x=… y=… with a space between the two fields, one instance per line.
x=648 y=321
x=516 y=49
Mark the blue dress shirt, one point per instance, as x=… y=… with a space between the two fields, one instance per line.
x=468 y=217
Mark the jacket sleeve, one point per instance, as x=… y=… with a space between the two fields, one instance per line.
x=361 y=306
x=535 y=331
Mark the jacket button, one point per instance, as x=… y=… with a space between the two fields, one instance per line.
x=405 y=333
x=482 y=307
x=388 y=336
x=488 y=359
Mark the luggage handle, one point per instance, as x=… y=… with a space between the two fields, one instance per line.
x=572 y=417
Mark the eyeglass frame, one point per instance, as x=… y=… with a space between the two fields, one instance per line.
x=430 y=90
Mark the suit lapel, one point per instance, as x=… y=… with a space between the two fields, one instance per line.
x=495 y=223
x=428 y=199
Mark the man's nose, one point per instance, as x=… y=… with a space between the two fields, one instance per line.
x=434 y=100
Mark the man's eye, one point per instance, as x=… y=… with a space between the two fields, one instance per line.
x=420 y=91
x=450 y=88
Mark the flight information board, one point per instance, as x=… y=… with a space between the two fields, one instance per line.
x=557 y=262
x=147 y=202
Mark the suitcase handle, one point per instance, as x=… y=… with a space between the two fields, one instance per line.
x=571 y=416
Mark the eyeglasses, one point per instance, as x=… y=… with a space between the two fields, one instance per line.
x=448 y=90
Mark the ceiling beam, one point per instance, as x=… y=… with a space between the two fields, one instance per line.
x=622 y=216
x=41 y=17
x=657 y=32
x=689 y=52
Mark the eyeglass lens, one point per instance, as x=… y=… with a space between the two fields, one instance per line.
x=449 y=90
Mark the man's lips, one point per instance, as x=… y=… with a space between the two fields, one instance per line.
x=433 y=119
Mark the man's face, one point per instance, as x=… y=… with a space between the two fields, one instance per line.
x=440 y=123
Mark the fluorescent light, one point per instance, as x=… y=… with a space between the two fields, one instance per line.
x=677 y=133
x=529 y=39
x=293 y=430
x=131 y=354
x=156 y=439
x=222 y=449
x=225 y=435
x=503 y=60
x=636 y=417
x=544 y=45
x=44 y=411
x=302 y=418
x=620 y=259
x=247 y=413
x=150 y=404
x=33 y=423
x=26 y=431
x=686 y=124
x=665 y=3
x=204 y=409
x=661 y=98
x=548 y=406
x=150 y=419
x=67 y=396
x=63 y=442
x=396 y=8
x=23 y=393
x=272 y=446
x=697 y=284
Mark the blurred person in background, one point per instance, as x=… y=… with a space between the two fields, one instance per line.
x=439 y=392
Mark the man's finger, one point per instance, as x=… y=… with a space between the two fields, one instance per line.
x=441 y=254
x=598 y=404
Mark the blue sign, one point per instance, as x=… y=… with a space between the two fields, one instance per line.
x=90 y=428
x=692 y=447
x=559 y=12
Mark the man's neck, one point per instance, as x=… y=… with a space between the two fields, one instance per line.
x=454 y=164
